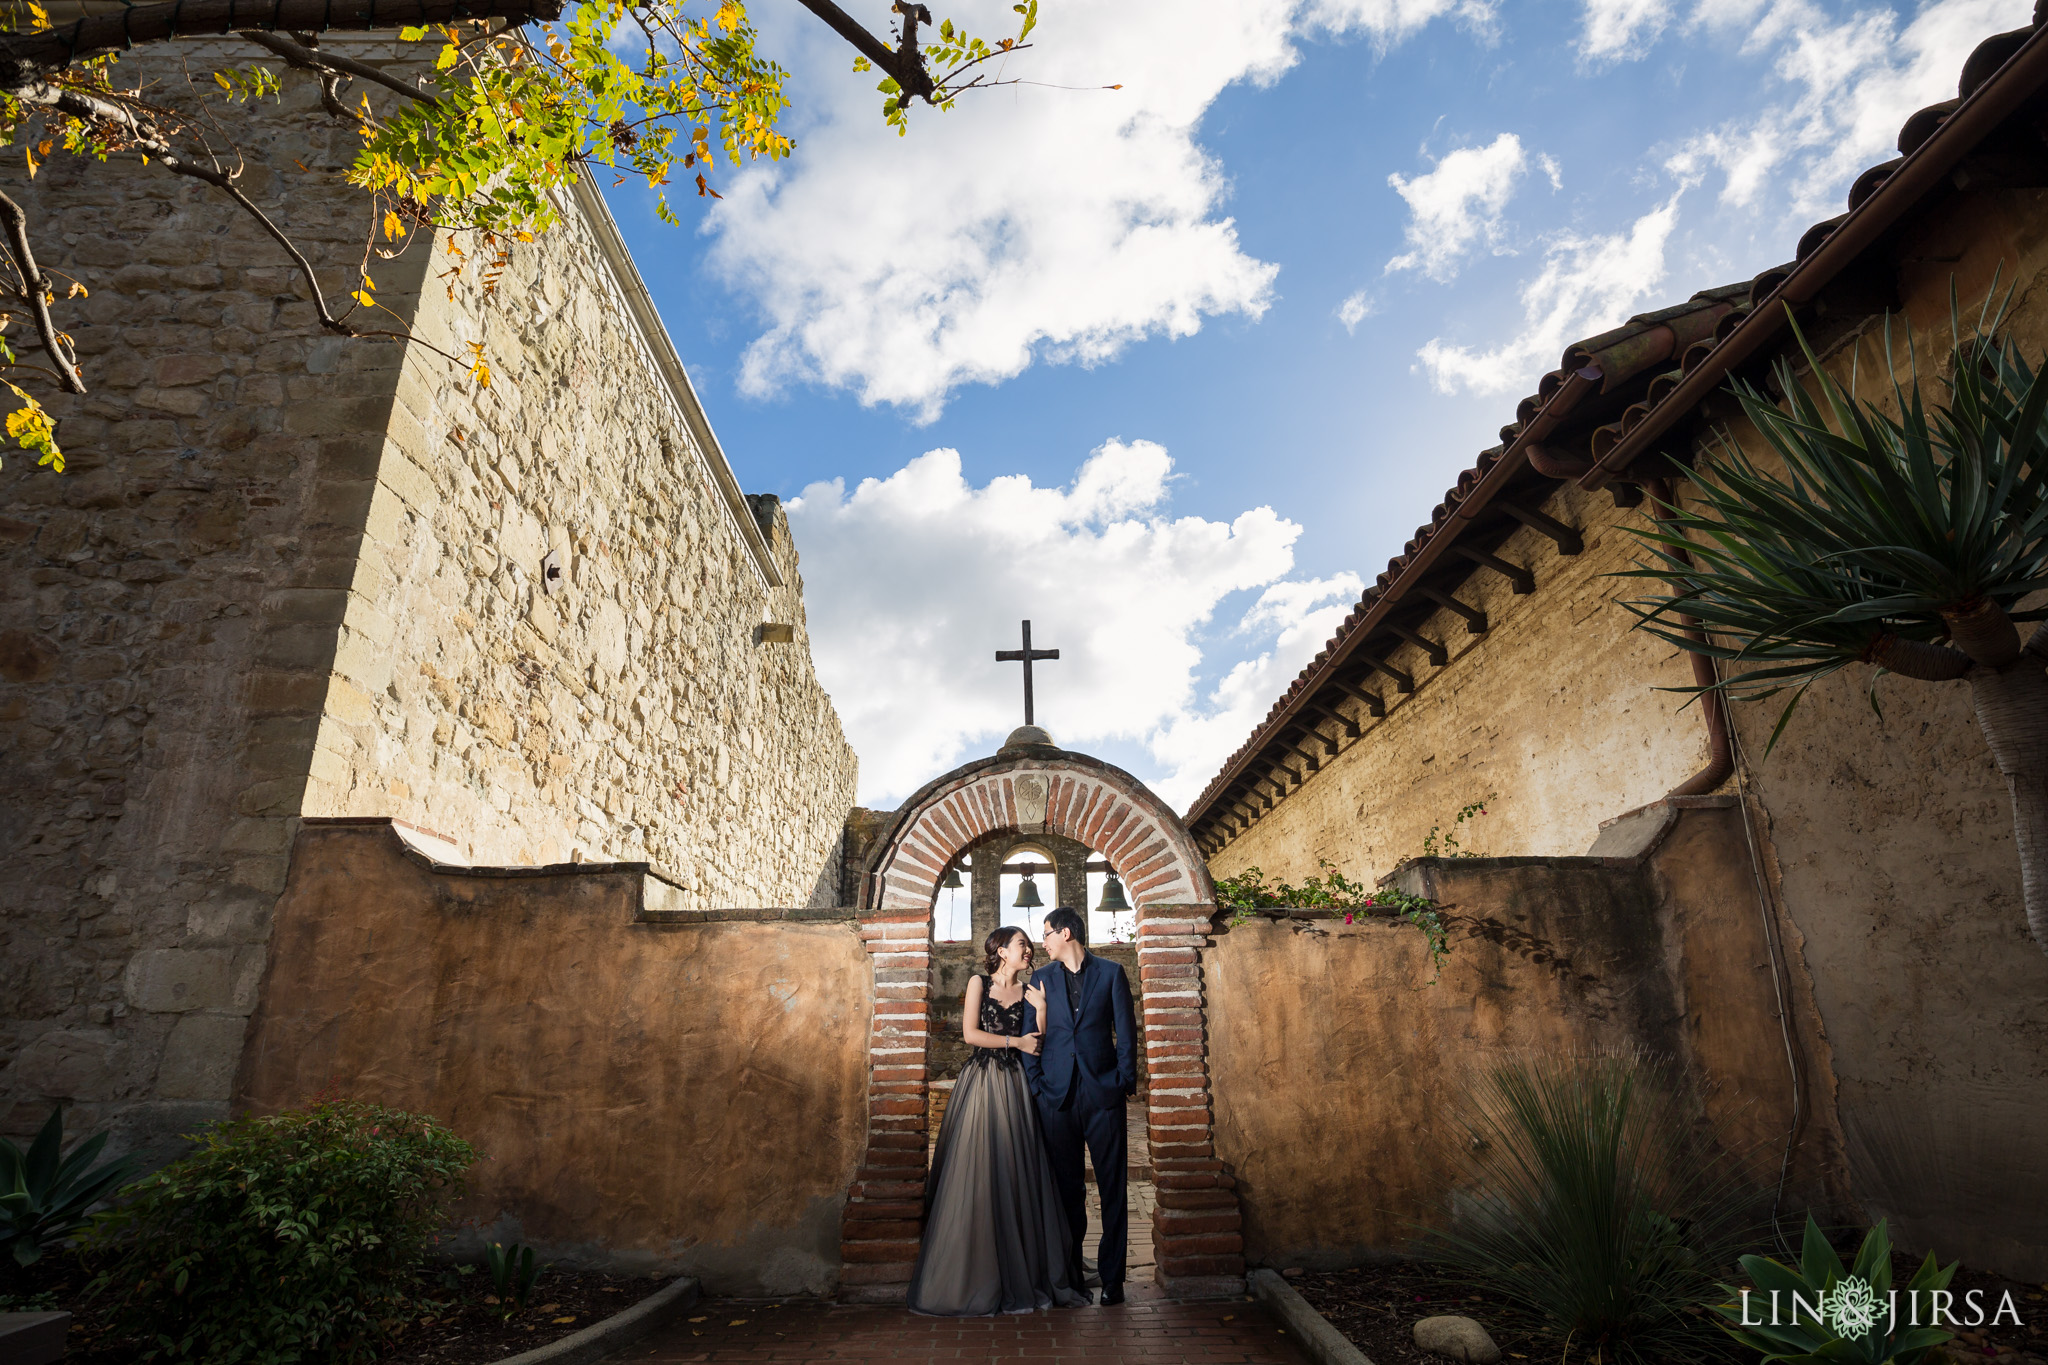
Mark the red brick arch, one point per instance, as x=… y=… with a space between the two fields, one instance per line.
x=1197 y=1231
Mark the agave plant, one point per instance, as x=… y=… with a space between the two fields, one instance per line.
x=1593 y=1208
x=1907 y=542
x=44 y=1196
x=1821 y=1314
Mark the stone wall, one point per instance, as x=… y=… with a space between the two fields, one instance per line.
x=1339 y=1067
x=650 y=1093
x=1555 y=713
x=637 y=711
x=291 y=574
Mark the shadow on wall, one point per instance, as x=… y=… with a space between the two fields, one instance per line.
x=1338 y=1069
x=682 y=1092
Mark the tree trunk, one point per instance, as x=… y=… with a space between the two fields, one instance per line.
x=2012 y=711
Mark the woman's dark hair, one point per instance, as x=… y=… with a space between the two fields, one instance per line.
x=997 y=940
x=1071 y=920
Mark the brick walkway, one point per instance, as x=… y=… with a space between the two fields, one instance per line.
x=1148 y=1328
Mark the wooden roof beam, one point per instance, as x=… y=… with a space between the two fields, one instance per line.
x=1475 y=619
x=1330 y=746
x=1524 y=581
x=1438 y=655
x=1402 y=682
x=1373 y=704
x=1567 y=538
x=1299 y=745
x=1351 y=729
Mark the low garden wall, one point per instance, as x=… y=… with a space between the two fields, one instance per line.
x=1338 y=1067
x=654 y=1089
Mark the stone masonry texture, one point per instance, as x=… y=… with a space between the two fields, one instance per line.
x=294 y=574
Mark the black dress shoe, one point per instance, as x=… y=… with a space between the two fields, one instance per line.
x=1112 y=1294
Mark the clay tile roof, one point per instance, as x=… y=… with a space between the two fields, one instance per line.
x=1614 y=393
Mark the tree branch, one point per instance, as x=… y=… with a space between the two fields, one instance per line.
x=35 y=292
x=904 y=64
x=307 y=58
x=1917 y=658
x=29 y=57
x=177 y=165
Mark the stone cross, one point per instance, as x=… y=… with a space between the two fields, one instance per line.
x=1025 y=656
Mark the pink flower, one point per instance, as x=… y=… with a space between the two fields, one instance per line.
x=1347 y=917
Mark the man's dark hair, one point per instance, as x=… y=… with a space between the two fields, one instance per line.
x=1071 y=920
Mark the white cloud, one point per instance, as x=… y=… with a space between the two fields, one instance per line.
x=1587 y=285
x=1457 y=205
x=913 y=581
x=1301 y=617
x=1029 y=224
x=1354 y=310
x=1849 y=84
x=1621 y=30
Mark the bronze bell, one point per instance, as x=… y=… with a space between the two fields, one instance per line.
x=951 y=881
x=1113 y=895
x=1027 y=894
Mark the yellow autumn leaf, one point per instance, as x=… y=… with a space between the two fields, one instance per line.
x=222 y=82
x=362 y=296
x=393 y=227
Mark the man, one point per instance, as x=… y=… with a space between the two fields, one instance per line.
x=1085 y=1067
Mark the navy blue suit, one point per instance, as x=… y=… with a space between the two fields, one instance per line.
x=1085 y=1068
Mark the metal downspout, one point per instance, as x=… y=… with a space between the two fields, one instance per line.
x=1720 y=755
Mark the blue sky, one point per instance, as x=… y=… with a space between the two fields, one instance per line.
x=1137 y=302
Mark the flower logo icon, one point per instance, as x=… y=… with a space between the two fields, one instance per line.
x=1852 y=1308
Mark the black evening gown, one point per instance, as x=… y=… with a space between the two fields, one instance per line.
x=995 y=1240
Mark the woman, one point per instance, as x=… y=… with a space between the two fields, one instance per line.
x=994 y=1238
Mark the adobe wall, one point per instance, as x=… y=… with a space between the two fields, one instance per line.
x=1892 y=839
x=1339 y=1070
x=290 y=574
x=633 y=1085
x=1555 y=711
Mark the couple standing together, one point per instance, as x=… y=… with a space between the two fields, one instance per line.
x=1054 y=1056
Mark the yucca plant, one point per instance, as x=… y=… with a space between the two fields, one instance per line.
x=1818 y=1313
x=1593 y=1208
x=1907 y=542
x=46 y=1196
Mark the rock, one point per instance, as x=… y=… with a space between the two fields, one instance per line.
x=1456 y=1338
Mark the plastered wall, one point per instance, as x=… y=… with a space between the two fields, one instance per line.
x=683 y=1098
x=1892 y=841
x=1340 y=1070
x=292 y=574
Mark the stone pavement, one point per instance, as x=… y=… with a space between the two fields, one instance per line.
x=1148 y=1329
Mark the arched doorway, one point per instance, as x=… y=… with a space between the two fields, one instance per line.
x=1034 y=790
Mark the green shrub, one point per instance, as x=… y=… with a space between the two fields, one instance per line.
x=45 y=1197
x=291 y=1237
x=1817 y=1313
x=1594 y=1211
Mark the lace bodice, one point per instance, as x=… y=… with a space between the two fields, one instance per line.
x=998 y=1018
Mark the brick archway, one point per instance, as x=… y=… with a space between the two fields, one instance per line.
x=1197 y=1230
